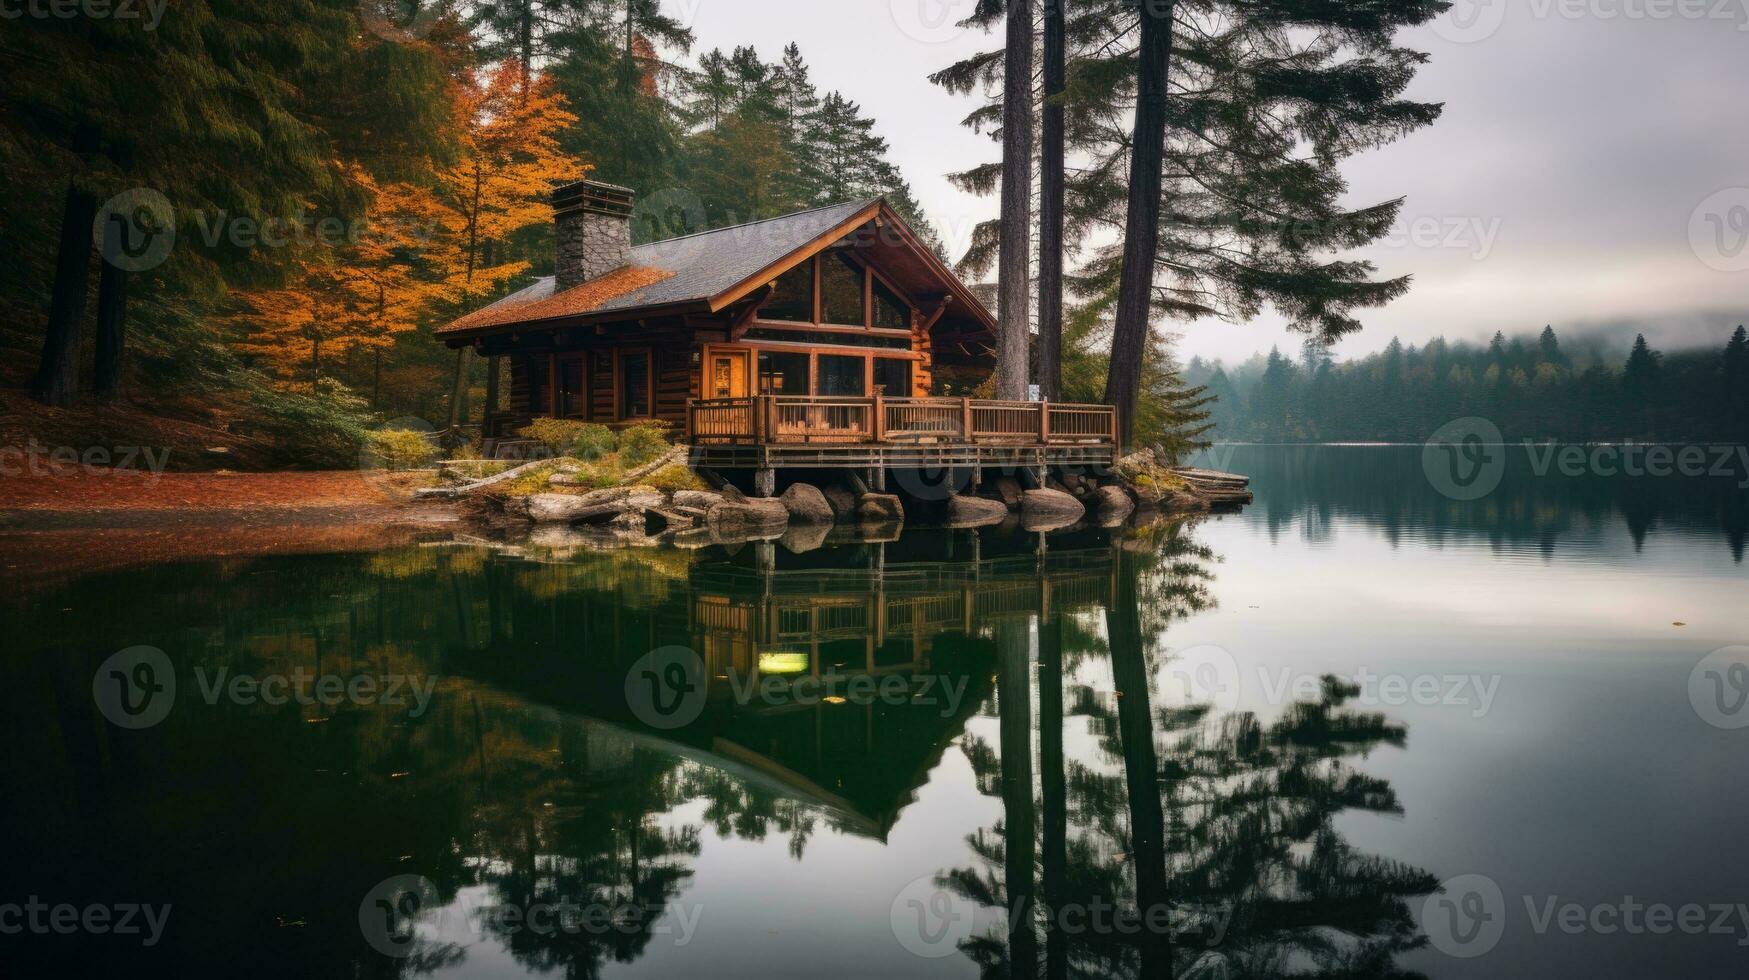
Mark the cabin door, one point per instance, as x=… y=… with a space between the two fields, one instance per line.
x=728 y=374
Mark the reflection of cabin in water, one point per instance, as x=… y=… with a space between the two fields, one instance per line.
x=828 y=338
x=912 y=616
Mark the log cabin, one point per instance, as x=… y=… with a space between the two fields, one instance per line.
x=827 y=338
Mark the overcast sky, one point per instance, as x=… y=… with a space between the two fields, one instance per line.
x=1592 y=166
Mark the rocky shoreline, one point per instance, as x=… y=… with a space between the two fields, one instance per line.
x=542 y=498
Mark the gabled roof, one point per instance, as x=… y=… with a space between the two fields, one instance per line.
x=705 y=273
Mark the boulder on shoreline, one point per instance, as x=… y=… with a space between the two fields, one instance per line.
x=964 y=511
x=880 y=508
x=807 y=505
x=749 y=517
x=1045 y=510
x=1112 y=503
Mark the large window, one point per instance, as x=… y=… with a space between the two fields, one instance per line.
x=892 y=377
x=890 y=313
x=782 y=373
x=634 y=385
x=840 y=375
x=793 y=299
x=841 y=295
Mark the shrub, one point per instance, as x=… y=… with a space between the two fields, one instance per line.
x=400 y=449
x=556 y=434
x=675 y=477
x=320 y=431
x=642 y=443
x=592 y=442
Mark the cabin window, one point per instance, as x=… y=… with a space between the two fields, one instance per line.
x=634 y=385
x=570 y=387
x=890 y=312
x=892 y=377
x=782 y=373
x=840 y=375
x=793 y=298
x=841 y=295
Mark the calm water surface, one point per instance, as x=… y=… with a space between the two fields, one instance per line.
x=1266 y=739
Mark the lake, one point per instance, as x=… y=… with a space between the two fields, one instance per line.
x=1365 y=727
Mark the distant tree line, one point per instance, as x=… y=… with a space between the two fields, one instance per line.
x=1527 y=386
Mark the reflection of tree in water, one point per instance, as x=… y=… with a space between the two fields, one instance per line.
x=1225 y=819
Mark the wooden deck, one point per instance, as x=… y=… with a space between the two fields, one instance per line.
x=777 y=431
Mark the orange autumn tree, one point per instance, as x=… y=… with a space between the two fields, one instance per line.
x=347 y=291
x=498 y=186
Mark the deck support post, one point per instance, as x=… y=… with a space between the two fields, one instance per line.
x=877 y=479
x=765 y=483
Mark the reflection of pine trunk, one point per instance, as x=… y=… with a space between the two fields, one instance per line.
x=1129 y=668
x=1015 y=700
x=1050 y=209
x=1130 y=324
x=57 y=375
x=1053 y=788
x=112 y=301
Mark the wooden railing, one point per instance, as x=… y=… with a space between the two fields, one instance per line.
x=822 y=420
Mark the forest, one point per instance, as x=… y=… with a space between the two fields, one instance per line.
x=1528 y=386
x=285 y=201
x=318 y=184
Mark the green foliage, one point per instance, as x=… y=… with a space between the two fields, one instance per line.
x=321 y=431
x=400 y=449
x=557 y=435
x=642 y=443
x=593 y=442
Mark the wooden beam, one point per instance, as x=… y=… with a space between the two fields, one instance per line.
x=824 y=241
x=744 y=317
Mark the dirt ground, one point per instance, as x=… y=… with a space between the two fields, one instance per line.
x=81 y=520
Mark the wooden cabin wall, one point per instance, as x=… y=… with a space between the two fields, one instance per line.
x=600 y=369
x=528 y=383
x=673 y=370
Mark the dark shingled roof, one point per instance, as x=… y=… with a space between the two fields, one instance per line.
x=700 y=266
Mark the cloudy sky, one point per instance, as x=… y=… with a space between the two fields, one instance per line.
x=1591 y=169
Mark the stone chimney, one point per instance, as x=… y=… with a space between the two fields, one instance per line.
x=593 y=224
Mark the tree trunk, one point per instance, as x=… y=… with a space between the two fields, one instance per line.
x=376 y=381
x=1135 y=723
x=112 y=301
x=458 y=393
x=1050 y=216
x=1053 y=795
x=1016 y=247
x=1129 y=334
x=57 y=374
x=492 y=368
x=1014 y=701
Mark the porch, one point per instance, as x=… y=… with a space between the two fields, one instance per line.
x=782 y=431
